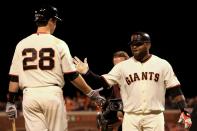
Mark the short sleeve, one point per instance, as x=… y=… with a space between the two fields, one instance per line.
x=67 y=61
x=114 y=76
x=170 y=79
x=15 y=65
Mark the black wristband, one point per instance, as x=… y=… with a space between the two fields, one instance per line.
x=182 y=105
x=71 y=76
x=12 y=96
x=87 y=73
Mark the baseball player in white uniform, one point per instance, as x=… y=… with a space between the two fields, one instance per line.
x=143 y=81
x=107 y=120
x=40 y=63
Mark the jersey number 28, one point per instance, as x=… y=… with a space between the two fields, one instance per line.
x=45 y=55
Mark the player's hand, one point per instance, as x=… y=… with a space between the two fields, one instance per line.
x=120 y=115
x=185 y=118
x=11 y=110
x=82 y=67
x=94 y=95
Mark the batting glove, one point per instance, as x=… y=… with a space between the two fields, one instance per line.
x=185 y=118
x=11 y=110
x=94 y=95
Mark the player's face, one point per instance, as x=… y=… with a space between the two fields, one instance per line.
x=140 y=50
x=117 y=60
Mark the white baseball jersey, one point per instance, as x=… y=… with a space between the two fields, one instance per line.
x=143 y=85
x=41 y=60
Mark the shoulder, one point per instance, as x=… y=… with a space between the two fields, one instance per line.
x=59 y=43
x=128 y=61
x=58 y=40
x=125 y=63
x=23 y=41
x=161 y=61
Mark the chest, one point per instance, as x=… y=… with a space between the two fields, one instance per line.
x=142 y=71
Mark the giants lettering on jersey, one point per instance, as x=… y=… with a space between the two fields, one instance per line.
x=143 y=76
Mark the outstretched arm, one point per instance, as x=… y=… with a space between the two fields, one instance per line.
x=80 y=83
x=77 y=80
x=92 y=78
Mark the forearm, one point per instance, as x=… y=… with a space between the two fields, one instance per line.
x=181 y=103
x=81 y=84
x=13 y=88
x=178 y=97
x=14 y=83
x=12 y=92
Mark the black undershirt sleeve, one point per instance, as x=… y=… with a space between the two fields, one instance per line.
x=14 y=78
x=174 y=92
x=71 y=76
x=95 y=80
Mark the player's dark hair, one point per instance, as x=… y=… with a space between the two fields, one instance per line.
x=41 y=23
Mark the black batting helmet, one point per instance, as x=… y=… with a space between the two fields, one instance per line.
x=139 y=37
x=45 y=13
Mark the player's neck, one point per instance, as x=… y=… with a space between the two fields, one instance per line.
x=146 y=58
x=44 y=30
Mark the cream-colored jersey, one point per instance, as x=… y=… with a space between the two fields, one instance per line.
x=41 y=60
x=143 y=85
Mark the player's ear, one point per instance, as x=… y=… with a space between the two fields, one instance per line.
x=148 y=45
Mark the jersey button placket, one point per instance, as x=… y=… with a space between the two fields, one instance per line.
x=143 y=86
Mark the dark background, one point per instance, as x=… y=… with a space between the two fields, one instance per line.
x=97 y=29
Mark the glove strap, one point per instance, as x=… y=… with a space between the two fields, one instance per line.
x=12 y=96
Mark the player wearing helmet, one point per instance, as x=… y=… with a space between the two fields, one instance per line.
x=45 y=13
x=110 y=117
x=40 y=63
x=144 y=79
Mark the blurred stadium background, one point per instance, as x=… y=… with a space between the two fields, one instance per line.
x=82 y=114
